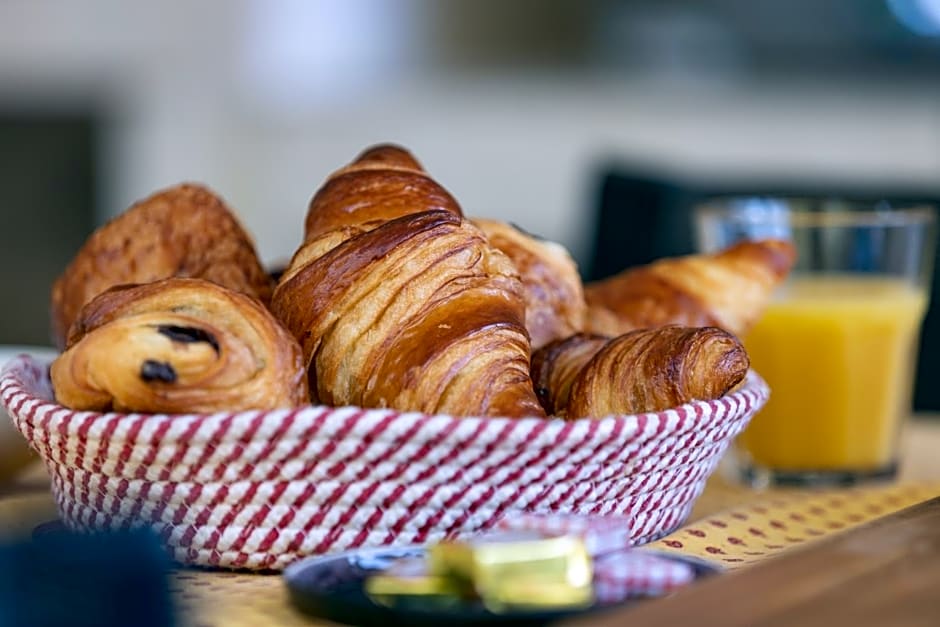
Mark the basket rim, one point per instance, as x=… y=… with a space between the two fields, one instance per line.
x=19 y=386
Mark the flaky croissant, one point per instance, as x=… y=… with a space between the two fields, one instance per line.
x=645 y=370
x=384 y=182
x=554 y=297
x=556 y=366
x=728 y=289
x=399 y=302
x=176 y=346
x=184 y=231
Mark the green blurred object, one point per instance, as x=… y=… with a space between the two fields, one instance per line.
x=48 y=175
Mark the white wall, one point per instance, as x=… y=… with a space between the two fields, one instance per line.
x=209 y=91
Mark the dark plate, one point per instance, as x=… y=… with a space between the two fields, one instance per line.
x=331 y=587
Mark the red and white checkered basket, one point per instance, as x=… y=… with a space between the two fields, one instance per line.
x=260 y=489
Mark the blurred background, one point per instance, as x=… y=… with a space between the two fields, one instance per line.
x=597 y=123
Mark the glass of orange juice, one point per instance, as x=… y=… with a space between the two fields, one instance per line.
x=838 y=344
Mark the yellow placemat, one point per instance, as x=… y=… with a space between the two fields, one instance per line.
x=769 y=526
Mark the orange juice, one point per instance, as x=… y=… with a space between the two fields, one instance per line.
x=838 y=353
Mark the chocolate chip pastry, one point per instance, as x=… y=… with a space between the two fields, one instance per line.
x=178 y=346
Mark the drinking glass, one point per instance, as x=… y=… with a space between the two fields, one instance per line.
x=838 y=343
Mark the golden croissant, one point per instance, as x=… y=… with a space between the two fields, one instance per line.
x=645 y=370
x=184 y=231
x=382 y=183
x=729 y=289
x=399 y=302
x=176 y=346
x=556 y=366
x=554 y=297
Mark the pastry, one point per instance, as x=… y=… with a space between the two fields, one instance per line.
x=382 y=183
x=399 y=302
x=184 y=231
x=728 y=289
x=178 y=346
x=641 y=371
x=556 y=365
x=554 y=297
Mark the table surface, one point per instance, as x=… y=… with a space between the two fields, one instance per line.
x=883 y=573
x=229 y=598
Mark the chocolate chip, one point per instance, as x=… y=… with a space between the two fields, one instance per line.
x=188 y=335
x=152 y=370
x=545 y=398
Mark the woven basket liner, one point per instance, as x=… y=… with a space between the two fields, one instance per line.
x=260 y=489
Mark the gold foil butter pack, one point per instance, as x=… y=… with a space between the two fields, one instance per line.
x=511 y=570
x=408 y=580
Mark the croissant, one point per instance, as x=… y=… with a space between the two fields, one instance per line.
x=554 y=297
x=178 y=345
x=184 y=231
x=729 y=290
x=383 y=183
x=399 y=302
x=556 y=365
x=645 y=370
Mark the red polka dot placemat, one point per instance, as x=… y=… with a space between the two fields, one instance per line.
x=769 y=526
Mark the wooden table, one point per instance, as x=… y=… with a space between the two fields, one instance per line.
x=226 y=598
x=884 y=573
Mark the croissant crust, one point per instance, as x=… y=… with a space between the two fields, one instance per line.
x=556 y=365
x=645 y=370
x=729 y=290
x=399 y=302
x=655 y=369
x=176 y=346
x=414 y=315
x=184 y=231
x=554 y=297
x=383 y=183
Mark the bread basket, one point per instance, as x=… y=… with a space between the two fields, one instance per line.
x=260 y=489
